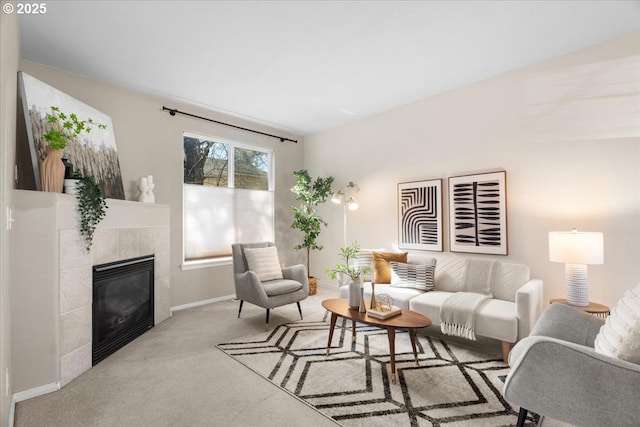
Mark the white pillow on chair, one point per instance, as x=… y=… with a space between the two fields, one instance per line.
x=264 y=262
x=620 y=335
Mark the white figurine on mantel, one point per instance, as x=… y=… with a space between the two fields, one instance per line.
x=146 y=189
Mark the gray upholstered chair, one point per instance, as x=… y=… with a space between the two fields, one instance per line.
x=556 y=372
x=293 y=287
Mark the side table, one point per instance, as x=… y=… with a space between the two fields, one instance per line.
x=598 y=310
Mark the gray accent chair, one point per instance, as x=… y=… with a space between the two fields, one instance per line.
x=294 y=287
x=556 y=372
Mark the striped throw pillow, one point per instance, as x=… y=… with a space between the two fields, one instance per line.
x=264 y=262
x=416 y=276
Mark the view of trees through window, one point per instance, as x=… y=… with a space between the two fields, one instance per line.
x=206 y=162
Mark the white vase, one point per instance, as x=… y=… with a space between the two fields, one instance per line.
x=354 y=294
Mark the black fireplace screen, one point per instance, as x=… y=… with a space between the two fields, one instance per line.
x=122 y=304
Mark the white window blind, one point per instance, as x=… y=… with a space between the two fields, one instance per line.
x=217 y=216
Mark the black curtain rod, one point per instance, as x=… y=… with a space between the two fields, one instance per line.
x=174 y=111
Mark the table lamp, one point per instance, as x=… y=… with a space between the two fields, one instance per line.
x=576 y=249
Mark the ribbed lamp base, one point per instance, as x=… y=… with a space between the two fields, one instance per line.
x=575 y=276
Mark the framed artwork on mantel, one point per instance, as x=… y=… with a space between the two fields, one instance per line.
x=478 y=213
x=420 y=215
x=92 y=154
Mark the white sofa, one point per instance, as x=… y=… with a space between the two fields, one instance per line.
x=508 y=317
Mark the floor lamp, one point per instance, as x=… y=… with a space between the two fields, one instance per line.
x=344 y=196
x=576 y=249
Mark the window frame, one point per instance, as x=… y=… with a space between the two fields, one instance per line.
x=232 y=144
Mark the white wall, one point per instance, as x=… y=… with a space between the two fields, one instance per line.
x=149 y=141
x=9 y=59
x=569 y=163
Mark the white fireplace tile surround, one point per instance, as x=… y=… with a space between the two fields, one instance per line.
x=74 y=364
x=49 y=221
x=109 y=245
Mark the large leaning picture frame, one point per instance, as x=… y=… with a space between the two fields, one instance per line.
x=93 y=154
x=478 y=213
x=420 y=215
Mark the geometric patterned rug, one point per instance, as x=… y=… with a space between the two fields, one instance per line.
x=452 y=386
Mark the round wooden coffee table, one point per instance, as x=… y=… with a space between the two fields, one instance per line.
x=408 y=319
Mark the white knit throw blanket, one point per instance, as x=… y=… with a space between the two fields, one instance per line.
x=458 y=314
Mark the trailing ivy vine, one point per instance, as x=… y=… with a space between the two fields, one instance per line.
x=92 y=208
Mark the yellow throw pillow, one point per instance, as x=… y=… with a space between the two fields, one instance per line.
x=381 y=266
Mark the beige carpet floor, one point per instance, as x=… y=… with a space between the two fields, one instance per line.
x=175 y=376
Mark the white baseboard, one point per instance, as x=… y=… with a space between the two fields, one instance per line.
x=12 y=412
x=36 y=391
x=203 y=302
x=28 y=394
x=225 y=298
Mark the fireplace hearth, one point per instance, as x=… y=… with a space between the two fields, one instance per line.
x=123 y=299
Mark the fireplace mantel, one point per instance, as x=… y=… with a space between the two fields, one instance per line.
x=51 y=279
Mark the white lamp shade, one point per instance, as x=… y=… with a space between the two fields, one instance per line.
x=338 y=197
x=576 y=247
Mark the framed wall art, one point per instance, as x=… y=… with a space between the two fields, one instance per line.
x=478 y=213
x=420 y=215
x=92 y=154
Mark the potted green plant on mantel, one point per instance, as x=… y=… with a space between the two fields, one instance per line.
x=310 y=193
x=355 y=273
x=62 y=128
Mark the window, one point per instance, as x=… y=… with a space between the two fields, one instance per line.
x=227 y=196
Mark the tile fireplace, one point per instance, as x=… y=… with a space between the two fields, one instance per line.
x=53 y=298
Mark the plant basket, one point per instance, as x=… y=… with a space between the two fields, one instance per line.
x=313 y=285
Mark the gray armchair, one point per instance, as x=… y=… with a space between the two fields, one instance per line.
x=556 y=372
x=294 y=287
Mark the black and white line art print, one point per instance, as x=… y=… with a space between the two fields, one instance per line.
x=420 y=215
x=478 y=213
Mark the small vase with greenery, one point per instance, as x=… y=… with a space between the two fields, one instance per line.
x=355 y=293
x=348 y=253
x=62 y=129
x=310 y=193
x=92 y=207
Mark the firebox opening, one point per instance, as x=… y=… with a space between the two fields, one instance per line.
x=122 y=304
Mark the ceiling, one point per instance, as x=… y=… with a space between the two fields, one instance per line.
x=306 y=66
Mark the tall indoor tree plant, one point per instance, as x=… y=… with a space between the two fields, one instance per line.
x=310 y=193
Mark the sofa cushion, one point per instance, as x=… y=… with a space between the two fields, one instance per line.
x=508 y=278
x=264 y=262
x=495 y=318
x=620 y=335
x=416 y=276
x=382 y=269
x=448 y=274
x=281 y=287
x=477 y=276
